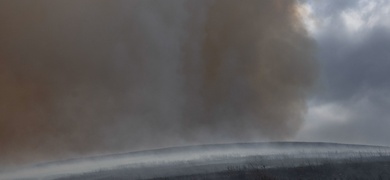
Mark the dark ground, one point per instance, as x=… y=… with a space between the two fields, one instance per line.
x=280 y=160
x=329 y=171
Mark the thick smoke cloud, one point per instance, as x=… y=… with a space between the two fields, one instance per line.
x=88 y=77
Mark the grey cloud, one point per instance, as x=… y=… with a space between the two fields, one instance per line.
x=368 y=121
x=330 y=8
x=355 y=77
x=350 y=69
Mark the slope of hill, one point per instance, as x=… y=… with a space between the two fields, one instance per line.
x=219 y=161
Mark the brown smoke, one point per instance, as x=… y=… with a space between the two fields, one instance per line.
x=95 y=76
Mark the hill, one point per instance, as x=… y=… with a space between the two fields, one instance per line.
x=276 y=160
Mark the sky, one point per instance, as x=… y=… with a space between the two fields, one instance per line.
x=80 y=78
x=353 y=42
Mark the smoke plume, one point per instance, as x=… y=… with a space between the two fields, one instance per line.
x=96 y=76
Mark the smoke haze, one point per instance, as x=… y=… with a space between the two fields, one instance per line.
x=95 y=76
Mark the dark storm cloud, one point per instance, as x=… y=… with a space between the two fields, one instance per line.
x=349 y=69
x=352 y=103
x=352 y=59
